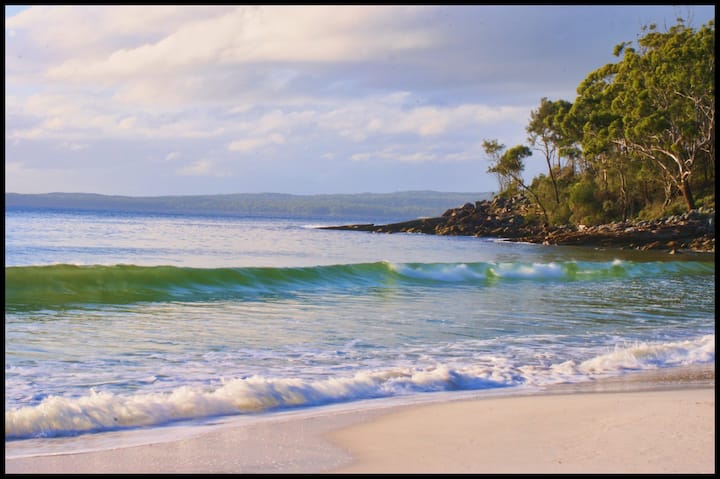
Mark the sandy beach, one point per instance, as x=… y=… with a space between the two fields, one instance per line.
x=645 y=432
x=650 y=423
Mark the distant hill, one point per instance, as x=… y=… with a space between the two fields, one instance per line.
x=366 y=206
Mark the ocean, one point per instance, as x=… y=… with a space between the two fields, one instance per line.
x=119 y=322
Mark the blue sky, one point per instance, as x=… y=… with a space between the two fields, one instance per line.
x=185 y=100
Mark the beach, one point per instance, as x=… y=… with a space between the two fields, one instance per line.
x=305 y=240
x=651 y=422
x=264 y=345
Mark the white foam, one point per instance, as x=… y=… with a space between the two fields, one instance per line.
x=101 y=411
x=643 y=355
x=440 y=272
x=523 y=271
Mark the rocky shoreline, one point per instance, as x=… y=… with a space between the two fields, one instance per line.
x=503 y=218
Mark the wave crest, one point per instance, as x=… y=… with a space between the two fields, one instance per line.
x=63 y=284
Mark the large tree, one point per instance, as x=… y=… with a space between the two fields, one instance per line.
x=657 y=103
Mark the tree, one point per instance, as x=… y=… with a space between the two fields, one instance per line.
x=493 y=149
x=545 y=133
x=592 y=119
x=511 y=164
x=640 y=131
x=657 y=104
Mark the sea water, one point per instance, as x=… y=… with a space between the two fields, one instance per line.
x=117 y=322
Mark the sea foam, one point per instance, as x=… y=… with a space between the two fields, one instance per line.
x=101 y=411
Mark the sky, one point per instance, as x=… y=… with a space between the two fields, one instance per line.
x=192 y=100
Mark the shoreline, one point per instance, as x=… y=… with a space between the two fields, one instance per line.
x=652 y=421
x=693 y=231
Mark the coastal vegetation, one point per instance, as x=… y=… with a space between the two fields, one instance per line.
x=630 y=164
x=638 y=143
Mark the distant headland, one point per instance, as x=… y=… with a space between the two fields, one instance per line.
x=357 y=206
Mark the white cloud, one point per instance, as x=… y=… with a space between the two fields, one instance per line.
x=406 y=154
x=77 y=116
x=362 y=119
x=127 y=123
x=94 y=31
x=249 y=144
x=54 y=123
x=289 y=86
x=243 y=42
x=204 y=167
x=73 y=146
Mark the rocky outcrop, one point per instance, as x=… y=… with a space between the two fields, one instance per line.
x=505 y=218
x=693 y=231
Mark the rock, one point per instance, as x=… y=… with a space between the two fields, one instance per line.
x=505 y=218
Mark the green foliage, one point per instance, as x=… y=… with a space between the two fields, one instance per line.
x=659 y=101
x=493 y=149
x=511 y=191
x=544 y=192
x=506 y=165
x=583 y=202
x=548 y=134
x=639 y=140
x=706 y=201
x=512 y=161
x=560 y=215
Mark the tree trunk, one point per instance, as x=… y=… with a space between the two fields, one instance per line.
x=687 y=194
x=552 y=178
x=537 y=200
x=624 y=194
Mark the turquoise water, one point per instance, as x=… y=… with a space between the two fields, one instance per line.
x=120 y=321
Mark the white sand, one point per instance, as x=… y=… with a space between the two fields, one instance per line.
x=665 y=426
x=640 y=432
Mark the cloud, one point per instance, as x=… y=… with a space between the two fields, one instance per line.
x=295 y=88
x=204 y=167
x=435 y=120
x=255 y=143
x=272 y=46
x=92 y=117
x=441 y=154
x=255 y=34
x=185 y=55
x=73 y=146
x=127 y=123
x=95 y=31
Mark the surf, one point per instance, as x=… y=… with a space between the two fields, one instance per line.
x=64 y=285
x=97 y=411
